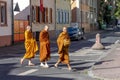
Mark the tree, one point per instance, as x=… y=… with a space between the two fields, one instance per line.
x=105 y=12
x=117 y=10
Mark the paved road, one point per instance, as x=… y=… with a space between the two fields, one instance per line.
x=81 y=56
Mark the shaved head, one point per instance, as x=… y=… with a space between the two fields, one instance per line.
x=28 y=28
x=46 y=28
x=64 y=29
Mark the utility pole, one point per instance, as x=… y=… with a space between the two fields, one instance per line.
x=12 y=19
x=81 y=14
x=30 y=14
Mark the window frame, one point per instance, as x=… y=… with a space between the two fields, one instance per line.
x=4 y=23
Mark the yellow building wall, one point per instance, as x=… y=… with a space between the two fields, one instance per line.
x=86 y=25
x=63 y=5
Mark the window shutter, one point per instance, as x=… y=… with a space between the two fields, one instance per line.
x=37 y=14
x=43 y=16
x=33 y=14
x=46 y=14
x=50 y=15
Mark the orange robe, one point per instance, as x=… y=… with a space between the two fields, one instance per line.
x=44 y=46
x=30 y=45
x=63 y=50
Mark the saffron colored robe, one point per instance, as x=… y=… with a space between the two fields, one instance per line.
x=63 y=50
x=30 y=45
x=44 y=46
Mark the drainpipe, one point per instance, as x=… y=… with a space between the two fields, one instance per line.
x=30 y=14
x=55 y=19
x=81 y=13
x=55 y=14
x=12 y=23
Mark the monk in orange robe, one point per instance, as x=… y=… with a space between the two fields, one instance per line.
x=44 y=47
x=30 y=46
x=63 y=43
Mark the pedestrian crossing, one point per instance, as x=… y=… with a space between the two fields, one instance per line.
x=77 y=61
x=27 y=72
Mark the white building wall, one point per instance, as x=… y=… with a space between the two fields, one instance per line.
x=7 y=30
x=48 y=4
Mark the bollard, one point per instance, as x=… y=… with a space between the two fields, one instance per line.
x=98 y=45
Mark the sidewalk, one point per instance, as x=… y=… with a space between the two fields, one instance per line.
x=108 y=68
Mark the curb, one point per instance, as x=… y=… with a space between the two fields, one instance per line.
x=90 y=73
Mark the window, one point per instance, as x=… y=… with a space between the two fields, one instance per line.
x=33 y=14
x=3 y=14
x=46 y=15
x=65 y=16
x=62 y=16
x=41 y=17
x=37 y=14
x=68 y=18
x=58 y=16
x=50 y=15
x=63 y=21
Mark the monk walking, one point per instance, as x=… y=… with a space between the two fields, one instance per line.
x=63 y=43
x=30 y=46
x=44 y=47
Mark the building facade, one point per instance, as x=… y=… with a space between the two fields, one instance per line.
x=5 y=22
x=84 y=13
x=63 y=14
x=56 y=14
x=21 y=21
x=93 y=15
x=42 y=16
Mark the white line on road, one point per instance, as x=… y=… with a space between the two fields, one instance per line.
x=27 y=72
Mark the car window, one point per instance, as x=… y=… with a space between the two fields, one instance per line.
x=70 y=29
x=74 y=29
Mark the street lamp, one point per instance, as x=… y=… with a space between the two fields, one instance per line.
x=17 y=7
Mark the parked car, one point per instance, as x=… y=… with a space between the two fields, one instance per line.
x=75 y=33
x=110 y=27
x=118 y=25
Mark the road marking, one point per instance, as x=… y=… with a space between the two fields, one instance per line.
x=27 y=72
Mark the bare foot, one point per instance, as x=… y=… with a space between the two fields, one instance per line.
x=31 y=64
x=55 y=65
x=21 y=61
x=69 y=68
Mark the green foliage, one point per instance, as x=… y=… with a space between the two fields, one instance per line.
x=117 y=10
x=105 y=11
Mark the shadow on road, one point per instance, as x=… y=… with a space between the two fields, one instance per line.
x=5 y=74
